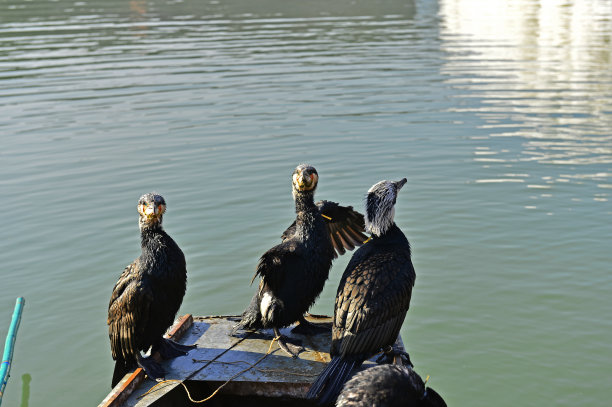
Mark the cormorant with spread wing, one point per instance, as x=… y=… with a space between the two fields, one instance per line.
x=388 y=386
x=373 y=296
x=293 y=272
x=147 y=297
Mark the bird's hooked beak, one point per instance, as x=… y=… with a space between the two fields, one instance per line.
x=399 y=184
x=304 y=181
x=151 y=210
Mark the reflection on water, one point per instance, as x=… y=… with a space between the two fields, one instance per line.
x=26 y=379
x=541 y=71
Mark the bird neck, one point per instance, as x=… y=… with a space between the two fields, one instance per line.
x=380 y=221
x=148 y=234
x=304 y=202
x=388 y=230
x=154 y=224
x=392 y=236
x=308 y=218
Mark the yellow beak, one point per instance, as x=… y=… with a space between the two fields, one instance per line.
x=303 y=180
x=150 y=210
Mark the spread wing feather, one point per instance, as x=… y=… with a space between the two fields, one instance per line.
x=346 y=226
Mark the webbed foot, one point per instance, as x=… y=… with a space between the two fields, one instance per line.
x=168 y=349
x=292 y=349
x=308 y=328
x=151 y=368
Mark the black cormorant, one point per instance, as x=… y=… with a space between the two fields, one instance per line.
x=388 y=386
x=147 y=297
x=293 y=272
x=373 y=295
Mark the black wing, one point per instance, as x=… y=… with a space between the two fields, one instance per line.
x=346 y=226
x=274 y=264
x=289 y=232
x=128 y=314
x=371 y=304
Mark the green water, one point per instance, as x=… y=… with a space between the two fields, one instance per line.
x=499 y=113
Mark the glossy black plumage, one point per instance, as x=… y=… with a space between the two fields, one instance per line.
x=293 y=272
x=373 y=296
x=147 y=296
x=388 y=386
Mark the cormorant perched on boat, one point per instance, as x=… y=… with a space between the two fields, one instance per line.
x=293 y=272
x=373 y=295
x=147 y=297
x=388 y=386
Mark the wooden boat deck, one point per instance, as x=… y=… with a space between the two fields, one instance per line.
x=251 y=370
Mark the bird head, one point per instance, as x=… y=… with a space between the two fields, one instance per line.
x=151 y=208
x=380 y=206
x=304 y=178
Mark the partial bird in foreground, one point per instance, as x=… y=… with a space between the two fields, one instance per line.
x=293 y=272
x=145 y=300
x=373 y=296
x=388 y=386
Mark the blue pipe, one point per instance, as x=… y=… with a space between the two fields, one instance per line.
x=7 y=357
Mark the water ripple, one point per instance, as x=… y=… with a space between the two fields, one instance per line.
x=549 y=91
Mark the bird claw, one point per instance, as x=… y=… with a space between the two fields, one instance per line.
x=291 y=349
x=389 y=355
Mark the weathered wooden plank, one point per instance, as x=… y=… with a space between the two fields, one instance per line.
x=131 y=381
x=240 y=363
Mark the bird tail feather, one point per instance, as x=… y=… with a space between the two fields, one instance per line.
x=329 y=383
x=251 y=317
x=122 y=367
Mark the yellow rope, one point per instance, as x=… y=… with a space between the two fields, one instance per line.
x=367 y=240
x=220 y=387
x=326 y=217
x=157 y=385
x=231 y=378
